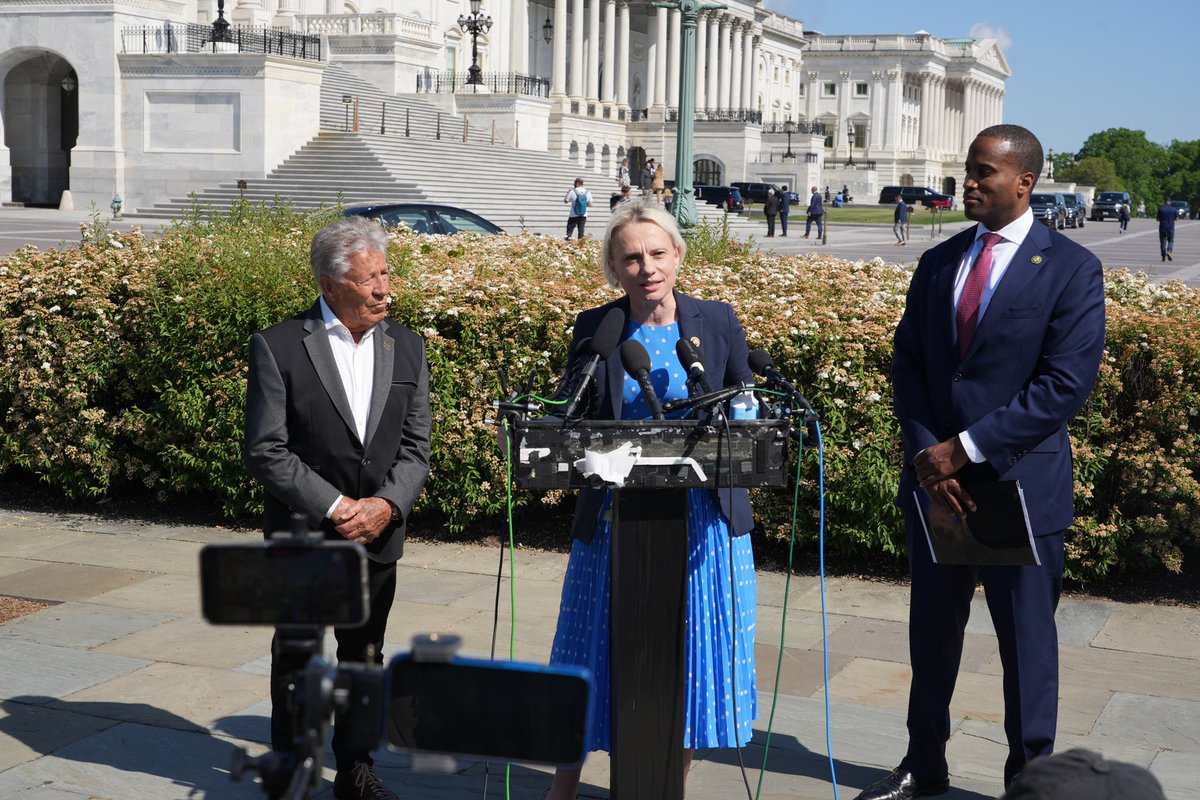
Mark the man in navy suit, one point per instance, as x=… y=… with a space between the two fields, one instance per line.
x=1166 y=229
x=816 y=213
x=998 y=348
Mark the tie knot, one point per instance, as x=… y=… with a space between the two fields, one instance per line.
x=990 y=240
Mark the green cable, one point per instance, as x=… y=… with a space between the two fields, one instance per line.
x=783 y=622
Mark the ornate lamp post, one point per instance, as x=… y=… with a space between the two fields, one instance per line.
x=789 y=128
x=220 y=26
x=685 y=196
x=475 y=23
x=850 y=138
x=547 y=31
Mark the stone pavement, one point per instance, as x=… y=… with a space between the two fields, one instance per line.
x=121 y=690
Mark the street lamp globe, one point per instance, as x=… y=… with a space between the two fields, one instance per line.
x=547 y=31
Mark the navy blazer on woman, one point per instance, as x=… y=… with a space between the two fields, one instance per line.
x=1028 y=371
x=722 y=345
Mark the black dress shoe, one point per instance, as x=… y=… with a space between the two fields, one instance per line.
x=901 y=785
x=361 y=782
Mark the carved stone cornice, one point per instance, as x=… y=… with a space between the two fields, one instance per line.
x=160 y=7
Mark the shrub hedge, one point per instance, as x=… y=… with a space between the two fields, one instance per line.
x=123 y=365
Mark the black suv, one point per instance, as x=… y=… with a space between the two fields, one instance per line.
x=1108 y=204
x=1076 y=210
x=723 y=197
x=1049 y=209
x=757 y=192
x=914 y=195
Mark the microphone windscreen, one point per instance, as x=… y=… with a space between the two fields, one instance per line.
x=583 y=347
x=634 y=357
x=760 y=362
x=688 y=354
x=608 y=333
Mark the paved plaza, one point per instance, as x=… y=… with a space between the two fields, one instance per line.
x=120 y=690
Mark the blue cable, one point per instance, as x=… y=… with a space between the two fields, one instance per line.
x=824 y=615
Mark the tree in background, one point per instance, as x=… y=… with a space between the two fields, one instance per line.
x=1139 y=163
x=1091 y=171
x=1181 y=180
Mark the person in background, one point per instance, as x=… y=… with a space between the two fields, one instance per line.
x=998 y=348
x=647 y=177
x=642 y=254
x=785 y=204
x=816 y=213
x=579 y=200
x=1166 y=229
x=1123 y=216
x=338 y=428
x=900 y=221
x=623 y=181
x=1141 y=209
x=771 y=209
x=660 y=182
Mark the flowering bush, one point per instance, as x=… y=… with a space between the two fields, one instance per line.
x=123 y=364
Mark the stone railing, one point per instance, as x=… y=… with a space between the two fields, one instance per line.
x=367 y=24
x=930 y=43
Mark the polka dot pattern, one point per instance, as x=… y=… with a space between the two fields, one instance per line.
x=582 y=635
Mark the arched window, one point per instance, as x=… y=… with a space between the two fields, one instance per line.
x=906 y=179
x=590 y=156
x=949 y=185
x=707 y=172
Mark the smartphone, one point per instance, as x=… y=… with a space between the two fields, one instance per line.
x=489 y=710
x=284 y=583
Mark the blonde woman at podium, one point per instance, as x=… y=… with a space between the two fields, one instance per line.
x=642 y=254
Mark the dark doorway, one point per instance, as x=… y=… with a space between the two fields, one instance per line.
x=41 y=126
x=707 y=172
x=949 y=186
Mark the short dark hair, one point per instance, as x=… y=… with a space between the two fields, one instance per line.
x=1024 y=144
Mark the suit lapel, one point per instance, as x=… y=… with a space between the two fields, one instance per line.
x=691 y=327
x=943 y=296
x=382 y=381
x=321 y=356
x=1032 y=256
x=613 y=371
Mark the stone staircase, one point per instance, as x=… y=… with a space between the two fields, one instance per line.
x=516 y=189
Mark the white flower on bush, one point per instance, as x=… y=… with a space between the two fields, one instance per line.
x=71 y=292
x=46 y=366
x=857 y=444
x=55 y=309
x=178 y=298
x=873 y=397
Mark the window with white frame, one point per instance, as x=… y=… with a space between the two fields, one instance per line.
x=860 y=89
x=829 y=89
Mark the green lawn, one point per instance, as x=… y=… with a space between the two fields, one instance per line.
x=872 y=213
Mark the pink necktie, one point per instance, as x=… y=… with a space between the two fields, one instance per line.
x=968 y=305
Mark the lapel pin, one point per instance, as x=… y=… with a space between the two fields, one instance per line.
x=1035 y=260
x=387 y=344
x=695 y=341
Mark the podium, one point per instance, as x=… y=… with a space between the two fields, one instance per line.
x=649 y=465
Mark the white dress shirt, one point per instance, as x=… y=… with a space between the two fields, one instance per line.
x=356 y=368
x=1014 y=234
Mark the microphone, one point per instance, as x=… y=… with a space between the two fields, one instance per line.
x=703 y=401
x=762 y=364
x=689 y=356
x=600 y=346
x=636 y=361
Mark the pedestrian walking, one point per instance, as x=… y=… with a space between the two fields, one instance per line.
x=816 y=213
x=579 y=200
x=1166 y=229
x=785 y=205
x=771 y=209
x=900 y=222
x=1141 y=209
x=659 y=184
x=1123 y=217
x=623 y=180
x=647 y=177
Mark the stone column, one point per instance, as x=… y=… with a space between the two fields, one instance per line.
x=748 y=65
x=844 y=122
x=660 y=60
x=924 y=111
x=610 y=50
x=592 y=71
x=285 y=14
x=622 y=65
x=735 y=80
x=969 y=127
x=558 y=72
x=701 y=61
x=518 y=48
x=674 y=58
x=754 y=48
x=894 y=110
x=651 y=59
x=577 y=57
x=712 y=92
x=877 y=113
x=726 y=62
x=812 y=95
x=999 y=106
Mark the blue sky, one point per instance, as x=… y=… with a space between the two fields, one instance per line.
x=1079 y=66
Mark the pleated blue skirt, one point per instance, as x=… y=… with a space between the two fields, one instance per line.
x=713 y=677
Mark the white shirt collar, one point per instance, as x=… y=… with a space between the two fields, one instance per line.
x=333 y=324
x=1014 y=232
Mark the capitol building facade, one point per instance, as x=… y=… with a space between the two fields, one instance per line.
x=138 y=98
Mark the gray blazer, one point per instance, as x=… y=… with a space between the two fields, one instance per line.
x=301 y=441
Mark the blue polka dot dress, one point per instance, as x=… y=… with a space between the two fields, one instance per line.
x=712 y=679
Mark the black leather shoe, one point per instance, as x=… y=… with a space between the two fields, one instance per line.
x=901 y=785
x=361 y=782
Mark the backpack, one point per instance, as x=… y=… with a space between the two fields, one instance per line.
x=580 y=206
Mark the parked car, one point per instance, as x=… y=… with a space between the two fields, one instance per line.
x=757 y=192
x=724 y=197
x=1182 y=207
x=1076 y=211
x=425 y=218
x=1050 y=209
x=1108 y=204
x=915 y=195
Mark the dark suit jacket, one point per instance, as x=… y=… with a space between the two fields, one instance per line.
x=816 y=206
x=723 y=348
x=301 y=441
x=1029 y=369
x=1166 y=219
